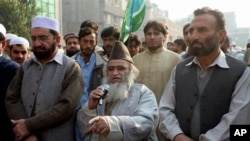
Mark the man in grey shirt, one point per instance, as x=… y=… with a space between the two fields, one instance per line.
x=42 y=98
x=197 y=103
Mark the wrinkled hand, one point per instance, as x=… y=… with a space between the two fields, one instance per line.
x=99 y=125
x=182 y=137
x=31 y=138
x=94 y=97
x=20 y=129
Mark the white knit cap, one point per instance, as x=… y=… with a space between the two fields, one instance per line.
x=45 y=22
x=2 y=29
x=19 y=40
x=10 y=36
x=98 y=48
x=233 y=43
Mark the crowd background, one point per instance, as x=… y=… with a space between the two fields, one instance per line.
x=153 y=78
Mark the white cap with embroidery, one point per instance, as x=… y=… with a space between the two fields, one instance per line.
x=45 y=22
x=2 y=29
x=10 y=36
x=20 y=41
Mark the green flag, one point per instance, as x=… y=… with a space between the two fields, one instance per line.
x=133 y=18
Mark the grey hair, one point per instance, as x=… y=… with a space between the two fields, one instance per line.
x=133 y=71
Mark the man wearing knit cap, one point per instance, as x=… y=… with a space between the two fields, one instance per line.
x=2 y=30
x=128 y=112
x=2 y=38
x=41 y=100
x=4 y=48
x=8 y=69
x=6 y=51
x=19 y=49
x=72 y=45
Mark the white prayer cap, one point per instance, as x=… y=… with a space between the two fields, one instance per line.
x=233 y=44
x=45 y=22
x=20 y=41
x=2 y=29
x=10 y=36
x=98 y=48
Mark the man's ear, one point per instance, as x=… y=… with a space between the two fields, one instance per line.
x=165 y=37
x=4 y=44
x=223 y=34
x=58 y=39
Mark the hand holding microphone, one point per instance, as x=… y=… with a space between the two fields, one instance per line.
x=105 y=92
x=96 y=96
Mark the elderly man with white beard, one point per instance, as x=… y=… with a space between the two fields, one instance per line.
x=129 y=111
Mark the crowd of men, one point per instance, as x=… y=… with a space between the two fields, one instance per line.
x=191 y=89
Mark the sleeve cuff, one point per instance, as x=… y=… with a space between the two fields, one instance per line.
x=174 y=132
x=89 y=112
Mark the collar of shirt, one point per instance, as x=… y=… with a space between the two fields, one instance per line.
x=57 y=58
x=220 y=61
x=82 y=63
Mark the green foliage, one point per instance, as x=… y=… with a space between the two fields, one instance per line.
x=16 y=16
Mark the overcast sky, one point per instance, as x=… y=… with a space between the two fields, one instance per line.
x=178 y=9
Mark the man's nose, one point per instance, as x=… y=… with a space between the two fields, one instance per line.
x=36 y=42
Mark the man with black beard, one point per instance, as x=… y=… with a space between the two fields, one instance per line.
x=109 y=36
x=129 y=111
x=209 y=91
x=42 y=98
x=72 y=45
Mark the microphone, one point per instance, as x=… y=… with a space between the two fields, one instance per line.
x=105 y=92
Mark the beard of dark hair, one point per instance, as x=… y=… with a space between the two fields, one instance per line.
x=209 y=45
x=46 y=53
x=71 y=53
x=119 y=91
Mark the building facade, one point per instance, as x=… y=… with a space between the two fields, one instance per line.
x=110 y=13
x=51 y=8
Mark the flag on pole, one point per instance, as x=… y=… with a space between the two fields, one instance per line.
x=133 y=18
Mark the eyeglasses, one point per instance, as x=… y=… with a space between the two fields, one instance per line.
x=42 y=38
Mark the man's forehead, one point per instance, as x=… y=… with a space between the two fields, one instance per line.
x=72 y=39
x=19 y=47
x=89 y=36
x=153 y=29
x=203 y=20
x=39 y=30
x=110 y=37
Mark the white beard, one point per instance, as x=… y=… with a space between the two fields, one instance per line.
x=117 y=92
